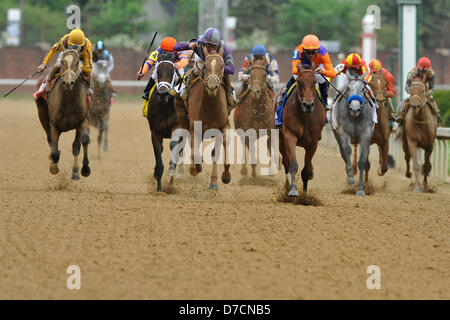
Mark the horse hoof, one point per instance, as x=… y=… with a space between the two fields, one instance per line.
x=105 y=148
x=293 y=192
x=193 y=171
x=417 y=189
x=360 y=193
x=408 y=175
x=198 y=167
x=54 y=169
x=381 y=172
x=351 y=181
x=76 y=176
x=85 y=171
x=213 y=186
x=226 y=179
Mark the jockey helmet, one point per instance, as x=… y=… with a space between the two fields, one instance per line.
x=353 y=60
x=100 y=45
x=168 y=44
x=212 y=36
x=311 y=42
x=375 y=65
x=259 y=50
x=77 y=38
x=424 y=63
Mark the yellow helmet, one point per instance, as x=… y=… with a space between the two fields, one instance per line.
x=77 y=38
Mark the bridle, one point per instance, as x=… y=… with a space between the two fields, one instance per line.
x=69 y=71
x=165 y=84
x=213 y=76
x=257 y=67
x=300 y=98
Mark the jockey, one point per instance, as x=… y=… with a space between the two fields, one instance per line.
x=210 y=43
x=167 y=47
x=355 y=66
x=100 y=53
x=259 y=52
x=376 y=66
x=75 y=40
x=308 y=52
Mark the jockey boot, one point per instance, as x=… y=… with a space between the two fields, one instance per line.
x=147 y=89
x=231 y=102
x=285 y=90
x=432 y=103
x=46 y=87
x=323 y=87
x=392 y=115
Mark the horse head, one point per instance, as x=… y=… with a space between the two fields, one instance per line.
x=356 y=87
x=378 y=85
x=417 y=94
x=258 y=76
x=70 y=68
x=306 y=87
x=101 y=73
x=166 y=76
x=213 y=73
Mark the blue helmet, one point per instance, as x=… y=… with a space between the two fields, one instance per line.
x=259 y=50
x=99 y=45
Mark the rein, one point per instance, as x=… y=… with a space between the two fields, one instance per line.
x=300 y=98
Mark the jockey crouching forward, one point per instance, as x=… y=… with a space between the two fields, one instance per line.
x=75 y=40
x=423 y=72
x=376 y=67
x=308 y=52
x=167 y=47
x=259 y=52
x=100 y=53
x=209 y=43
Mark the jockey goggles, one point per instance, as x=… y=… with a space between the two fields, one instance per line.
x=311 y=52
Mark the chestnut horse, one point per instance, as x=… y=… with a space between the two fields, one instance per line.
x=65 y=109
x=303 y=121
x=420 y=132
x=255 y=107
x=207 y=103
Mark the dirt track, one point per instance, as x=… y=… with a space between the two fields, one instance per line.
x=237 y=243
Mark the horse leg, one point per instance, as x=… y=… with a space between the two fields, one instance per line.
x=85 y=170
x=346 y=153
x=195 y=168
x=54 y=152
x=159 y=166
x=407 y=156
x=226 y=174
x=426 y=166
x=244 y=170
x=413 y=151
x=366 y=177
x=363 y=161
x=76 y=146
x=253 y=164
x=213 y=183
x=308 y=170
x=355 y=159
x=99 y=139
x=44 y=119
x=180 y=173
x=284 y=159
x=105 y=141
x=291 y=143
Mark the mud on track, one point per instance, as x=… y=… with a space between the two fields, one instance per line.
x=240 y=242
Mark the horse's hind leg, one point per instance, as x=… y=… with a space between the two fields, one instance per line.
x=44 y=118
x=76 y=146
x=413 y=151
x=84 y=129
x=159 y=166
x=308 y=171
x=105 y=141
x=284 y=159
x=244 y=171
x=426 y=167
x=384 y=153
x=172 y=165
x=291 y=144
x=54 y=152
x=407 y=156
x=363 y=162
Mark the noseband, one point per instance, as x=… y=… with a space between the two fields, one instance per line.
x=213 y=76
x=300 y=98
x=165 y=84
x=69 y=71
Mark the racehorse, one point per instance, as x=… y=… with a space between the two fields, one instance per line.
x=101 y=103
x=162 y=116
x=255 y=106
x=382 y=130
x=354 y=124
x=420 y=131
x=207 y=102
x=303 y=121
x=65 y=109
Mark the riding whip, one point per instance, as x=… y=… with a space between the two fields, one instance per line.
x=325 y=78
x=148 y=51
x=35 y=73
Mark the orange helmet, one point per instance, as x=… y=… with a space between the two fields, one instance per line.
x=168 y=44
x=311 y=42
x=375 y=65
x=353 y=60
x=424 y=63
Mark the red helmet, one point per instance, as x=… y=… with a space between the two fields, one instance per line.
x=375 y=65
x=168 y=44
x=353 y=60
x=424 y=63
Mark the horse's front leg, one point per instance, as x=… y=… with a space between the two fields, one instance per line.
x=76 y=147
x=159 y=166
x=85 y=170
x=226 y=174
x=412 y=145
x=363 y=161
x=291 y=144
x=196 y=164
x=54 y=152
x=172 y=165
x=407 y=155
x=100 y=138
x=384 y=154
x=105 y=141
x=308 y=170
x=427 y=166
x=346 y=153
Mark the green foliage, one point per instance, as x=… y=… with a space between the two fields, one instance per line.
x=442 y=98
x=184 y=25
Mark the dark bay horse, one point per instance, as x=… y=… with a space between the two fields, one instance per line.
x=101 y=104
x=420 y=132
x=303 y=121
x=255 y=106
x=207 y=103
x=162 y=116
x=65 y=109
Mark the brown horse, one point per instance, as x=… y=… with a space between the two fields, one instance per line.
x=303 y=121
x=207 y=103
x=65 y=109
x=420 y=131
x=382 y=130
x=255 y=107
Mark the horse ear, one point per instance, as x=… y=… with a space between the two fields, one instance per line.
x=299 y=67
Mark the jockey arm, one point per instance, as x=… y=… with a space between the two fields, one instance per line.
x=228 y=60
x=152 y=59
x=182 y=60
x=86 y=56
x=57 y=47
x=110 y=63
x=391 y=92
x=273 y=72
x=244 y=72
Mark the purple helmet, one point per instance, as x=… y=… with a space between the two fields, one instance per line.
x=212 y=36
